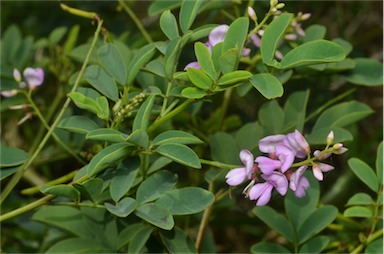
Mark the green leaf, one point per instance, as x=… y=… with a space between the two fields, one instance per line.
x=103 y=105
x=141 y=120
x=78 y=124
x=248 y=134
x=176 y=241
x=295 y=110
x=188 y=12
x=139 y=239
x=124 y=178
x=315 y=245
x=108 y=157
x=155 y=185
x=156 y=67
x=205 y=60
x=364 y=172
x=271 y=117
x=342 y=115
x=101 y=81
x=10 y=156
x=57 y=34
x=188 y=200
x=62 y=190
x=314 y=32
x=379 y=163
x=181 y=154
x=106 y=134
x=168 y=25
x=316 y=222
x=139 y=137
x=156 y=215
x=112 y=61
x=176 y=137
x=234 y=77
x=159 y=6
x=358 y=211
x=158 y=164
x=224 y=148
x=202 y=31
x=84 y=102
x=298 y=209
x=129 y=232
x=123 y=208
x=345 y=44
x=193 y=93
x=78 y=245
x=264 y=247
x=272 y=36
x=275 y=221
x=70 y=43
x=319 y=136
x=375 y=246
x=90 y=189
x=313 y=52
x=268 y=85
x=228 y=60
x=360 y=199
x=5 y=172
x=368 y=72
x=142 y=57
x=80 y=52
x=171 y=56
x=235 y=36
x=199 y=78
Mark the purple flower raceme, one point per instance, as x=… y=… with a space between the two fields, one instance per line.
x=262 y=192
x=237 y=175
x=33 y=77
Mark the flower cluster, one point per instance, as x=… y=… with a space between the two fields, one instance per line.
x=33 y=77
x=277 y=170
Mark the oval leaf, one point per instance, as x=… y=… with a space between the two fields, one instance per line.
x=199 y=78
x=188 y=200
x=313 y=52
x=193 y=93
x=360 y=199
x=181 y=154
x=236 y=35
x=62 y=190
x=123 y=208
x=139 y=137
x=358 y=211
x=234 y=77
x=315 y=245
x=10 y=156
x=176 y=241
x=368 y=72
x=124 y=178
x=175 y=136
x=78 y=124
x=111 y=60
x=101 y=81
x=168 y=25
x=141 y=120
x=188 y=12
x=105 y=134
x=163 y=180
x=268 y=85
x=205 y=60
x=141 y=58
x=364 y=172
x=108 y=157
x=139 y=239
x=156 y=215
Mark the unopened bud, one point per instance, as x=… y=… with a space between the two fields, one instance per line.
x=339 y=148
x=17 y=75
x=252 y=13
x=305 y=16
x=273 y=2
x=280 y=6
x=290 y=37
x=330 y=138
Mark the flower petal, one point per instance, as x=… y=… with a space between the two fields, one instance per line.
x=192 y=65
x=317 y=172
x=217 y=34
x=34 y=76
x=279 y=181
x=268 y=144
x=265 y=197
x=247 y=159
x=267 y=165
x=236 y=176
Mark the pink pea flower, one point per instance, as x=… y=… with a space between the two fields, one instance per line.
x=34 y=77
x=299 y=183
x=237 y=175
x=217 y=35
x=285 y=157
x=319 y=168
x=262 y=192
x=339 y=148
x=297 y=142
x=9 y=93
x=268 y=144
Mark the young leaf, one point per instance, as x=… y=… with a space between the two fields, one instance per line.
x=62 y=190
x=156 y=215
x=193 y=93
x=175 y=136
x=168 y=25
x=176 y=241
x=155 y=185
x=181 y=154
x=199 y=78
x=78 y=124
x=268 y=85
x=205 y=60
x=103 y=105
x=188 y=200
x=312 y=225
x=105 y=134
x=10 y=156
x=313 y=52
x=364 y=172
x=358 y=211
x=123 y=208
x=101 y=81
x=236 y=35
x=112 y=61
x=124 y=178
x=272 y=36
x=141 y=120
x=276 y=221
x=188 y=12
x=142 y=57
x=360 y=199
x=84 y=102
x=108 y=156
x=234 y=77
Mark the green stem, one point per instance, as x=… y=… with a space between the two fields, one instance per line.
x=19 y=173
x=224 y=107
x=218 y=164
x=168 y=116
x=136 y=20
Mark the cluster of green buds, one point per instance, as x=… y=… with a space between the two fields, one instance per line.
x=275 y=6
x=120 y=111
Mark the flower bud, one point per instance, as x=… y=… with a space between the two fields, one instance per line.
x=280 y=6
x=273 y=2
x=17 y=75
x=9 y=93
x=305 y=16
x=252 y=13
x=339 y=148
x=330 y=138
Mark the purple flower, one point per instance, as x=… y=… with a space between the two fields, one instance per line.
x=9 y=93
x=285 y=157
x=237 y=175
x=192 y=65
x=34 y=77
x=217 y=35
x=319 y=168
x=262 y=192
x=297 y=142
x=299 y=183
x=268 y=144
